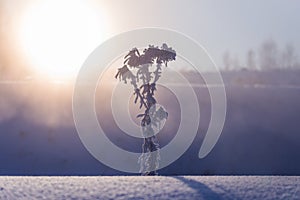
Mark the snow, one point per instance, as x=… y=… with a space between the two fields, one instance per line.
x=154 y=187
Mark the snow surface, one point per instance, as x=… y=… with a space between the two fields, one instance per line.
x=155 y=187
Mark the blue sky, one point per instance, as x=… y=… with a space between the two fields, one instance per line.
x=232 y=25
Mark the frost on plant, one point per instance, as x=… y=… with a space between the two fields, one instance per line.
x=142 y=71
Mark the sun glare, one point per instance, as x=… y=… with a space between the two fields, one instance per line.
x=57 y=36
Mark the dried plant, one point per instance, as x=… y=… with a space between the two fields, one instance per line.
x=143 y=70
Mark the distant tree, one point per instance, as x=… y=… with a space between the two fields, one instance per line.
x=251 y=64
x=289 y=57
x=227 y=61
x=236 y=63
x=142 y=71
x=268 y=55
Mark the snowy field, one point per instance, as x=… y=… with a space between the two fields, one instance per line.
x=157 y=187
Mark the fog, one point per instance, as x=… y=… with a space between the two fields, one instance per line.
x=256 y=51
x=260 y=135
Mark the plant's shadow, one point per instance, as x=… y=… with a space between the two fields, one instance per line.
x=201 y=189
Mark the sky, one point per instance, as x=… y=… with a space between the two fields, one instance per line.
x=233 y=25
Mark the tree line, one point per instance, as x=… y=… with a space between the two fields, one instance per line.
x=268 y=57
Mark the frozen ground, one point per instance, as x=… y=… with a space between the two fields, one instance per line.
x=158 y=187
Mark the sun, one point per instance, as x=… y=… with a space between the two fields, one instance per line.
x=57 y=36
